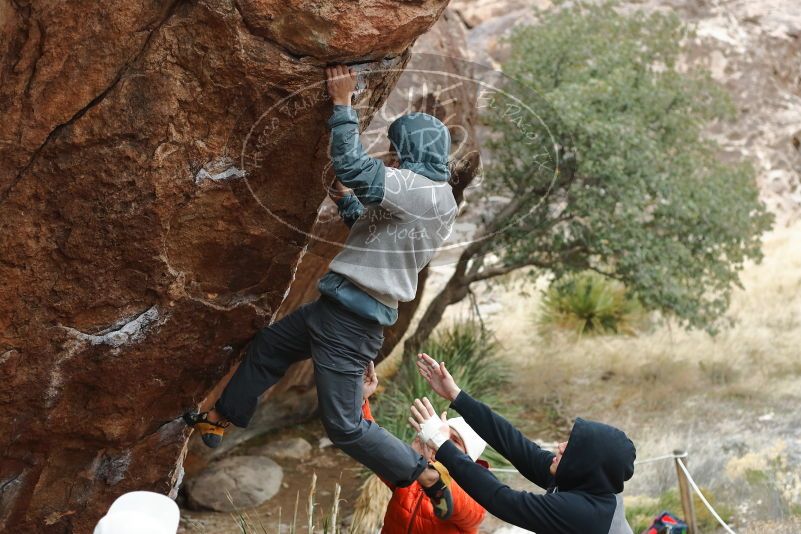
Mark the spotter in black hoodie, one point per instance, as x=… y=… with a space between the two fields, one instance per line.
x=583 y=497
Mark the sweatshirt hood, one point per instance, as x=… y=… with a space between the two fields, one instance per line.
x=423 y=145
x=598 y=459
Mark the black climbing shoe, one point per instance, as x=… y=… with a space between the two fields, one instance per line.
x=211 y=433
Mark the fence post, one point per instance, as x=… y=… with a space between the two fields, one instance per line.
x=684 y=493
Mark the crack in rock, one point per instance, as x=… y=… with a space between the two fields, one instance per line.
x=4 y=485
x=297 y=56
x=100 y=97
x=364 y=68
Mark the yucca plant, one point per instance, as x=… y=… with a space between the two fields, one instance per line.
x=589 y=303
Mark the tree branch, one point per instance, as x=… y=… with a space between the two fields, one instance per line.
x=498 y=270
x=606 y=274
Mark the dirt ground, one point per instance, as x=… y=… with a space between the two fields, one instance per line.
x=329 y=464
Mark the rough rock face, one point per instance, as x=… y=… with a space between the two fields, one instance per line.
x=753 y=49
x=161 y=164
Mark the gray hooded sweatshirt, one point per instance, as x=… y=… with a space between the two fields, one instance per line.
x=398 y=217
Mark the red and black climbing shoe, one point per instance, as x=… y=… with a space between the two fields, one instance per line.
x=211 y=432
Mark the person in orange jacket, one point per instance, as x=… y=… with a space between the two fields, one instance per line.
x=410 y=510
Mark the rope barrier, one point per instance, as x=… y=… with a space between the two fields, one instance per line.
x=703 y=499
x=678 y=458
x=660 y=458
x=636 y=462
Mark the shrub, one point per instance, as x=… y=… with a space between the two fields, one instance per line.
x=589 y=303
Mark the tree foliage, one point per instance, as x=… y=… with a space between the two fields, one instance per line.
x=607 y=168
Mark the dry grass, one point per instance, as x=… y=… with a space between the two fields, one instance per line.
x=368 y=515
x=723 y=398
x=254 y=524
x=789 y=526
x=757 y=357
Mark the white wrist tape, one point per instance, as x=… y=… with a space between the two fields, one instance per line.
x=430 y=431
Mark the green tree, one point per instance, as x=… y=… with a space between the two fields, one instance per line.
x=605 y=167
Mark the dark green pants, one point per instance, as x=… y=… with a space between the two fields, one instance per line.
x=341 y=344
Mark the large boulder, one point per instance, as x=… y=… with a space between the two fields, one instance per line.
x=161 y=165
x=236 y=483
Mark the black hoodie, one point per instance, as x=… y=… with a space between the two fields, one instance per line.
x=582 y=497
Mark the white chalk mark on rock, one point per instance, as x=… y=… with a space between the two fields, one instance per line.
x=363 y=69
x=177 y=474
x=6 y=355
x=218 y=170
x=127 y=330
x=124 y=331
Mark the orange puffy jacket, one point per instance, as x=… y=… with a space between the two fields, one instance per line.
x=410 y=511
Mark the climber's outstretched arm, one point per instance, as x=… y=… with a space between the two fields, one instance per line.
x=353 y=167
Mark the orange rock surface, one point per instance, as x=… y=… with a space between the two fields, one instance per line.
x=156 y=192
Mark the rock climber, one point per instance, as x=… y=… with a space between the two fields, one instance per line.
x=437 y=504
x=583 y=480
x=398 y=217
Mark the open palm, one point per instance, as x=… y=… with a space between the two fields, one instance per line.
x=437 y=377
